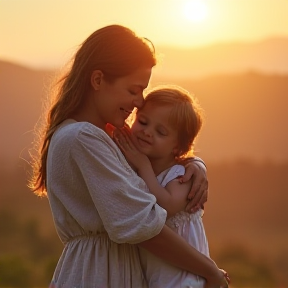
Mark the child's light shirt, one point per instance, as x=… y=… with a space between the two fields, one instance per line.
x=191 y=228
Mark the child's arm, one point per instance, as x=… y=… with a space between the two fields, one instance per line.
x=173 y=198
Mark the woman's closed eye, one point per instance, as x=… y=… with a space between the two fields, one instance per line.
x=134 y=93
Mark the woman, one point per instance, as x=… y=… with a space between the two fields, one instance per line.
x=100 y=207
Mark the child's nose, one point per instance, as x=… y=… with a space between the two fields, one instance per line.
x=147 y=132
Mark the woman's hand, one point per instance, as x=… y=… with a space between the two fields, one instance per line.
x=196 y=169
x=222 y=282
x=226 y=275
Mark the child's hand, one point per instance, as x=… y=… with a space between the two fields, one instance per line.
x=127 y=143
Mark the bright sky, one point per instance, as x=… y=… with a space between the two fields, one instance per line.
x=43 y=33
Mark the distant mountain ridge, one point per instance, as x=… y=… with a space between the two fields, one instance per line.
x=245 y=116
x=21 y=93
x=267 y=56
x=246 y=113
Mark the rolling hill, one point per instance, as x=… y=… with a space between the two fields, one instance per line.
x=246 y=114
x=266 y=56
x=244 y=142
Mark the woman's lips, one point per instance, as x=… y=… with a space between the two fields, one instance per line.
x=126 y=112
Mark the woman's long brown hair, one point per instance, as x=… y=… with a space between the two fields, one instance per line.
x=117 y=52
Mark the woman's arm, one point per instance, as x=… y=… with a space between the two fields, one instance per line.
x=173 y=249
x=173 y=198
x=195 y=174
x=168 y=245
x=195 y=169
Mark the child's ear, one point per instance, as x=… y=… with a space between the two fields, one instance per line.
x=96 y=78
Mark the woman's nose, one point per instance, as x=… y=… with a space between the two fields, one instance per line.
x=138 y=100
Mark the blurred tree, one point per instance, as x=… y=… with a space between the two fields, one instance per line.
x=27 y=258
x=14 y=272
x=49 y=268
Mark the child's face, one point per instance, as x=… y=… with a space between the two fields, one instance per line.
x=156 y=137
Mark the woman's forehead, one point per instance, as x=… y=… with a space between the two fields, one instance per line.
x=139 y=78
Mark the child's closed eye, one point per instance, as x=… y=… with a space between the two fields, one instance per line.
x=162 y=133
x=142 y=122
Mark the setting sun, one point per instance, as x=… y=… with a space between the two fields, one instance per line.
x=177 y=23
x=195 y=10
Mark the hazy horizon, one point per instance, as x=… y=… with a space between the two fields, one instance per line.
x=205 y=61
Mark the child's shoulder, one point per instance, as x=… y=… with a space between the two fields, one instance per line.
x=176 y=170
x=170 y=174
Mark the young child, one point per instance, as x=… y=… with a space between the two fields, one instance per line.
x=163 y=134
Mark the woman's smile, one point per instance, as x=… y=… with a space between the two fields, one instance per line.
x=126 y=112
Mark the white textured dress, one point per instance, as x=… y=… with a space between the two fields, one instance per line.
x=190 y=226
x=101 y=209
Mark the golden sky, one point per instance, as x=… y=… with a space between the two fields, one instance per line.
x=43 y=33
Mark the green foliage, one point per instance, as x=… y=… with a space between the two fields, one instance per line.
x=49 y=268
x=27 y=259
x=30 y=248
x=14 y=272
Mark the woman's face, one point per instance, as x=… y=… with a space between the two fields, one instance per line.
x=115 y=101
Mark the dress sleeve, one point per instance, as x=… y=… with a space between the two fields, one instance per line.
x=173 y=173
x=129 y=212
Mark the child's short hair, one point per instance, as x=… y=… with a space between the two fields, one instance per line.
x=186 y=114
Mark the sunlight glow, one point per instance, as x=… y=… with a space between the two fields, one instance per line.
x=195 y=10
